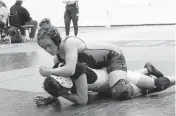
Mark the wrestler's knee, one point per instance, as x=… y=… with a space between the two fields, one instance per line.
x=121 y=90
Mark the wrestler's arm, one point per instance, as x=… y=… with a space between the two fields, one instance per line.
x=71 y=54
x=81 y=96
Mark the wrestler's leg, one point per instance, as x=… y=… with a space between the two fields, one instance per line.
x=150 y=69
x=148 y=83
x=143 y=71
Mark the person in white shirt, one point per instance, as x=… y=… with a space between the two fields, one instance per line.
x=3 y=14
x=71 y=13
x=142 y=82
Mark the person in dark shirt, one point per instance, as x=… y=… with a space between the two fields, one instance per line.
x=71 y=13
x=24 y=17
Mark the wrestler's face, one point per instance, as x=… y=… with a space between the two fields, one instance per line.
x=48 y=45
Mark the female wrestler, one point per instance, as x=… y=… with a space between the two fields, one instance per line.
x=97 y=81
x=73 y=50
x=96 y=56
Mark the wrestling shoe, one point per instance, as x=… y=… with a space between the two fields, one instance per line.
x=152 y=70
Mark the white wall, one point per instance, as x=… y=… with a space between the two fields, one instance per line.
x=94 y=12
x=142 y=12
x=39 y=9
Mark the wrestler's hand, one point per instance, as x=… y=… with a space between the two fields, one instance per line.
x=44 y=101
x=44 y=71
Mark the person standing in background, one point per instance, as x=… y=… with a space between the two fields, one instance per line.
x=3 y=14
x=24 y=17
x=71 y=13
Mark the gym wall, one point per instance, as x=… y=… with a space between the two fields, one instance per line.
x=104 y=12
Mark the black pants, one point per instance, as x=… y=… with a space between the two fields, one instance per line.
x=71 y=13
x=2 y=24
x=33 y=29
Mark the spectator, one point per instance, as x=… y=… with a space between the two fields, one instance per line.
x=24 y=17
x=3 y=14
x=71 y=13
x=44 y=22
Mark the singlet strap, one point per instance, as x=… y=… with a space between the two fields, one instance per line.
x=77 y=38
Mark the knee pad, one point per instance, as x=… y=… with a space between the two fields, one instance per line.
x=122 y=91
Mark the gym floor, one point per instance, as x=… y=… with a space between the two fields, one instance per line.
x=20 y=81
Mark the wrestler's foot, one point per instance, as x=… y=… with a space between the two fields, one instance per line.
x=152 y=70
x=161 y=84
x=172 y=80
x=44 y=101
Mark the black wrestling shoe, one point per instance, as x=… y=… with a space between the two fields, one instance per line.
x=153 y=71
x=161 y=84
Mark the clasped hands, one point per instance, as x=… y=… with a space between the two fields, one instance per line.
x=45 y=71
